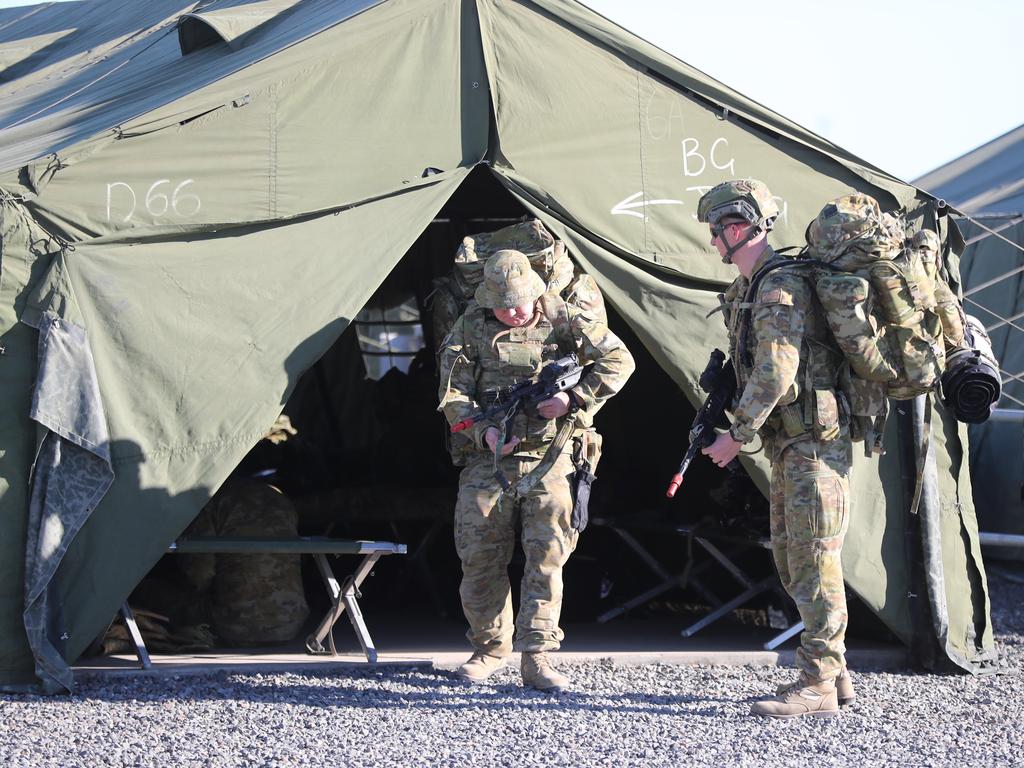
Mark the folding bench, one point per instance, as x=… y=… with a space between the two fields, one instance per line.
x=750 y=588
x=343 y=595
x=690 y=576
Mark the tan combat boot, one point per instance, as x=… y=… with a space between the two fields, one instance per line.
x=844 y=688
x=804 y=698
x=480 y=666
x=538 y=672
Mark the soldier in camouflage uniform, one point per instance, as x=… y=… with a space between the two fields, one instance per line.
x=509 y=333
x=787 y=369
x=249 y=599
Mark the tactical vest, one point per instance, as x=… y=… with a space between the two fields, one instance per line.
x=813 y=404
x=507 y=355
x=453 y=293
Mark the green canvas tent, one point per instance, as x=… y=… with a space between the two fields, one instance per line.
x=162 y=179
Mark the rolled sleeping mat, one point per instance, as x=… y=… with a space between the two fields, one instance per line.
x=970 y=384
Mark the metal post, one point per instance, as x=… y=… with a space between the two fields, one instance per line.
x=1001 y=539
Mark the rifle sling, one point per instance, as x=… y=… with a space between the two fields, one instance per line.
x=528 y=481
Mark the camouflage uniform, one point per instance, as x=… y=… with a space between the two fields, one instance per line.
x=483 y=353
x=252 y=598
x=787 y=370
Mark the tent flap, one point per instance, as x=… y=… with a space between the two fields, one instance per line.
x=875 y=564
x=218 y=333
x=636 y=181
x=71 y=475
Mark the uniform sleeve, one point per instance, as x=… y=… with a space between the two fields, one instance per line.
x=612 y=362
x=457 y=395
x=777 y=324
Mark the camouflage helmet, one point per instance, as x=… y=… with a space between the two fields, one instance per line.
x=926 y=239
x=853 y=219
x=749 y=199
x=509 y=281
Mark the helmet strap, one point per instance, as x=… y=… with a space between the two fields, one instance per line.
x=755 y=230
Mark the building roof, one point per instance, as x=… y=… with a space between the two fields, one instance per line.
x=988 y=180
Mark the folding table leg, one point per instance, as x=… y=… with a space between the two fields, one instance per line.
x=782 y=637
x=133 y=630
x=641 y=552
x=668 y=581
x=644 y=597
x=343 y=596
x=349 y=592
x=736 y=602
x=315 y=642
x=725 y=562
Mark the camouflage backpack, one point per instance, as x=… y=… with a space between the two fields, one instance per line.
x=880 y=303
x=947 y=305
x=879 y=297
x=453 y=292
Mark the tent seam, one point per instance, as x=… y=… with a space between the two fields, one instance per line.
x=187 y=448
x=643 y=163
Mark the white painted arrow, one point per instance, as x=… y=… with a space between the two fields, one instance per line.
x=623 y=208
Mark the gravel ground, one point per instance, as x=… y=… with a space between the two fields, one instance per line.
x=652 y=715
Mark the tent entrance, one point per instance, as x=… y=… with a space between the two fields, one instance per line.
x=369 y=460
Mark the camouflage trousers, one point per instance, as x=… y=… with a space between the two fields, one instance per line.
x=485 y=540
x=809 y=517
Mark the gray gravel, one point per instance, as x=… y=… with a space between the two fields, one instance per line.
x=650 y=716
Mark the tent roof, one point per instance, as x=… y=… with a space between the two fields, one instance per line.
x=74 y=70
x=989 y=179
x=101 y=64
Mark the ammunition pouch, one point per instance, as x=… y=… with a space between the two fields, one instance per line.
x=827 y=412
x=791 y=420
x=826 y=415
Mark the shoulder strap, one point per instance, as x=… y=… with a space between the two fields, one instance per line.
x=474 y=319
x=772 y=265
x=556 y=310
x=756 y=279
x=790 y=248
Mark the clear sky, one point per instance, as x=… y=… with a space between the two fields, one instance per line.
x=905 y=84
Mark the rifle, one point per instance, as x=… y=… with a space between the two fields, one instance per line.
x=561 y=375
x=719 y=381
